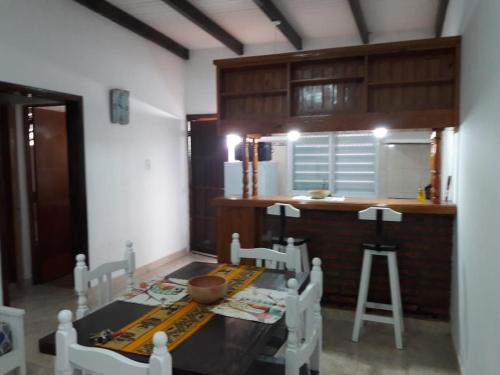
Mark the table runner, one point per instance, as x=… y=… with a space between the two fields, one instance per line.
x=180 y=319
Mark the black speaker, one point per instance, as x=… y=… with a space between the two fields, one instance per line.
x=265 y=150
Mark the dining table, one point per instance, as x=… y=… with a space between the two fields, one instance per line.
x=223 y=346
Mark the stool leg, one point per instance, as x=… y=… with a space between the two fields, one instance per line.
x=305 y=258
x=400 y=302
x=363 y=294
x=395 y=299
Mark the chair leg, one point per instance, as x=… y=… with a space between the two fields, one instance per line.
x=363 y=294
x=305 y=258
x=395 y=300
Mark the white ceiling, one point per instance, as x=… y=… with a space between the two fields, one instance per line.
x=312 y=19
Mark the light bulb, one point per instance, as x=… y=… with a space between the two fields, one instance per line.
x=293 y=135
x=380 y=132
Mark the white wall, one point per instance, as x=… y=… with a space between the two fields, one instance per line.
x=201 y=76
x=476 y=297
x=60 y=45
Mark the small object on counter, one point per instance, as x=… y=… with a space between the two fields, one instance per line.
x=318 y=194
x=104 y=336
x=448 y=183
x=428 y=191
x=421 y=195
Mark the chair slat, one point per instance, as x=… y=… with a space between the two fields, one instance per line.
x=271 y=258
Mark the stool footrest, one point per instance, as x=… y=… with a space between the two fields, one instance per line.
x=378 y=318
x=378 y=306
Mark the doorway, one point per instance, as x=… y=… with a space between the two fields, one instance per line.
x=47 y=168
x=51 y=157
x=207 y=154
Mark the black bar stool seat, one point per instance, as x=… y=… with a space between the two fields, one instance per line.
x=378 y=245
x=283 y=242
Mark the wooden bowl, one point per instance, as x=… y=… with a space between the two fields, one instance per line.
x=207 y=289
x=318 y=194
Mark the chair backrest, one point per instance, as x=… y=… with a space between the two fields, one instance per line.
x=283 y=210
x=102 y=276
x=72 y=357
x=264 y=257
x=16 y=358
x=304 y=322
x=380 y=214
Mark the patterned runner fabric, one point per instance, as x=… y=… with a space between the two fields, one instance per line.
x=180 y=319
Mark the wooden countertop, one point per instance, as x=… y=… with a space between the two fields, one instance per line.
x=350 y=204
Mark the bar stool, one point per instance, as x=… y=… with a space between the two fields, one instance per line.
x=380 y=247
x=280 y=242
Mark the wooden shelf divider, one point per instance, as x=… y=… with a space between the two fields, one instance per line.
x=435 y=81
x=325 y=80
x=255 y=93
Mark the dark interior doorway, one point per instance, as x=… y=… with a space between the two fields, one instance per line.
x=207 y=154
x=56 y=175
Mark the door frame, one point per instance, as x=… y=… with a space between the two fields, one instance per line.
x=76 y=158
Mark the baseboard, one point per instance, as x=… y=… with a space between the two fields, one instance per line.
x=160 y=262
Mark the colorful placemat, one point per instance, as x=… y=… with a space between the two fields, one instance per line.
x=256 y=304
x=180 y=319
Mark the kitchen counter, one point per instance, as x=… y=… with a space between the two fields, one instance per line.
x=349 y=204
x=425 y=238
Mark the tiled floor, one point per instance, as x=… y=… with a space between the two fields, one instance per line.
x=428 y=349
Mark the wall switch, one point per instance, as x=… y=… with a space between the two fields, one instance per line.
x=147 y=164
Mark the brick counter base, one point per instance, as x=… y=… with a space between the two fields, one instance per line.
x=424 y=257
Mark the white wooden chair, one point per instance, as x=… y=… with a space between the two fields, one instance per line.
x=284 y=211
x=268 y=258
x=103 y=276
x=16 y=358
x=72 y=358
x=305 y=324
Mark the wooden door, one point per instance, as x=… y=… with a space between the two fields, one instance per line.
x=207 y=156
x=7 y=241
x=50 y=198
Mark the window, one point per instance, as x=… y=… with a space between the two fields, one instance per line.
x=343 y=162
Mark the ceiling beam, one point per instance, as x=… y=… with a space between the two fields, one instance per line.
x=200 y=19
x=138 y=27
x=441 y=15
x=359 y=17
x=275 y=15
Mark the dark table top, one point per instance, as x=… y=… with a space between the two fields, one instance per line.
x=222 y=346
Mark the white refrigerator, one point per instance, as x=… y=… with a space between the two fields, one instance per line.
x=267 y=178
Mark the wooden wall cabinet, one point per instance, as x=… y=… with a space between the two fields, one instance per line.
x=399 y=85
